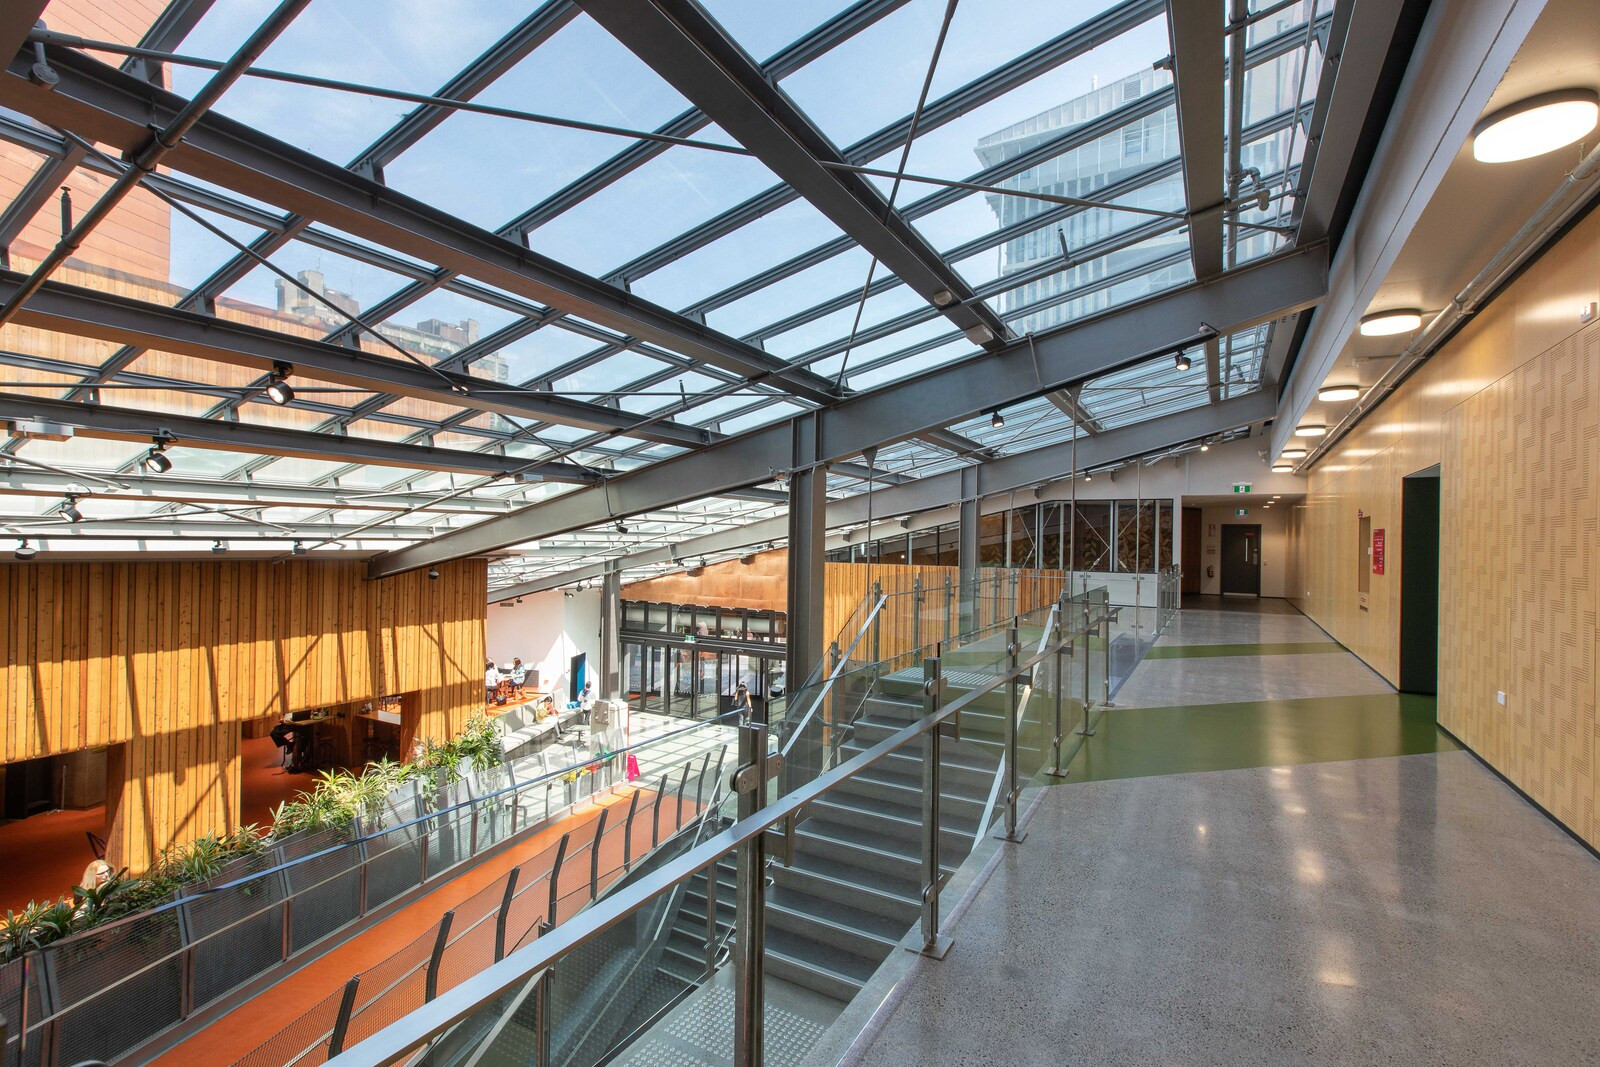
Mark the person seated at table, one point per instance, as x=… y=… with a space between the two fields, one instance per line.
x=519 y=675
x=491 y=681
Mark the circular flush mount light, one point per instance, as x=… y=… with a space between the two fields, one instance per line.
x=1535 y=126
x=1293 y=453
x=1334 y=393
x=1389 y=323
x=1283 y=468
x=1310 y=430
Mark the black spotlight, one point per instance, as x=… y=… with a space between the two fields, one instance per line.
x=25 y=550
x=300 y=548
x=996 y=419
x=69 y=510
x=218 y=548
x=433 y=574
x=621 y=529
x=278 y=391
x=1182 y=360
x=155 y=461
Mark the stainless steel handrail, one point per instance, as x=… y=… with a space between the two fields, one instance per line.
x=411 y=1032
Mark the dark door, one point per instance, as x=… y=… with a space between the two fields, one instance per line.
x=1191 y=551
x=1419 y=584
x=1241 y=560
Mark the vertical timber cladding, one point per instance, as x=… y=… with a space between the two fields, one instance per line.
x=1510 y=410
x=165 y=658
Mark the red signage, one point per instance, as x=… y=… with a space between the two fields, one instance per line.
x=1377 y=551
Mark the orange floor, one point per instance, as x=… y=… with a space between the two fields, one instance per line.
x=264 y=783
x=45 y=855
x=248 y=1026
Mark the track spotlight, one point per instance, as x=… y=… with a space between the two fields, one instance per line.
x=621 y=529
x=1088 y=477
x=156 y=463
x=69 y=509
x=433 y=574
x=996 y=419
x=278 y=391
x=300 y=548
x=218 y=548
x=1182 y=360
x=1205 y=446
x=25 y=550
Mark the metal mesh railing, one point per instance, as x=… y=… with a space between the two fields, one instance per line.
x=264 y=910
x=497 y=920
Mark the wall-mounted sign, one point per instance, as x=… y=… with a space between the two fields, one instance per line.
x=1377 y=551
x=1241 y=512
x=1212 y=530
x=1241 y=487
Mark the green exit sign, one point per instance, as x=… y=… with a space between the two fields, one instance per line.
x=1241 y=487
x=1241 y=512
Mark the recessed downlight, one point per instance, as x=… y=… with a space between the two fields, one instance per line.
x=1389 y=323
x=1535 y=126
x=1333 y=394
x=1310 y=430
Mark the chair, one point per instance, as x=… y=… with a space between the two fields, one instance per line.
x=97 y=844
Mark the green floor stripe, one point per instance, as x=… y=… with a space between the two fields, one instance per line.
x=1293 y=648
x=1141 y=742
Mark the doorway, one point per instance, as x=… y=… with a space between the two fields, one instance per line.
x=1419 y=582
x=1241 y=560
x=1190 y=549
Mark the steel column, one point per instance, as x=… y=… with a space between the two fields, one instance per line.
x=808 y=503
x=610 y=629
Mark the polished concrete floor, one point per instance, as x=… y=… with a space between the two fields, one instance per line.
x=1277 y=880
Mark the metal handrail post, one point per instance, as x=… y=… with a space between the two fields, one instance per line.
x=627 y=832
x=347 y=1003
x=555 y=885
x=877 y=623
x=1088 y=664
x=934 y=944
x=1055 y=770
x=505 y=913
x=441 y=940
x=916 y=612
x=1013 y=790
x=711 y=916
x=655 y=812
x=594 y=854
x=750 y=915
x=949 y=607
x=541 y=1007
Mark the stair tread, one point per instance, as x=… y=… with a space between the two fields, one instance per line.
x=837 y=913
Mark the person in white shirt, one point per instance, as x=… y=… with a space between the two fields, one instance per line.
x=586 y=700
x=491 y=681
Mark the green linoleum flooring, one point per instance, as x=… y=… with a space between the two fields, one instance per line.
x=1142 y=742
x=1291 y=648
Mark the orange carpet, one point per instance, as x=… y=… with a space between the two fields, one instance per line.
x=46 y=855
x=248 y=1026
x=264 y=783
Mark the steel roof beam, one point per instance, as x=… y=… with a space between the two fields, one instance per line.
x=101 y=103
x=1196 y=32
x=178 y=525
x=176 y=488
x=128 y=424
x=78 y=311
x=1003 y=475
x=1255 y=293
x=680 y=42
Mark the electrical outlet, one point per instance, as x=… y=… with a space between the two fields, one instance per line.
x=1500 y=698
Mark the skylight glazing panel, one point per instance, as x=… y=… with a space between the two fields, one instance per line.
x=765 y=27
x=832 y=331
x=674 y=192
x=883 y=371
x=488 y=169
x=533 y=356
x=126 y=22
x=129 y=253
x=763 y=415
x=198 y=252
x=773 y=303
x=412 y=45
x=755 y=247
x=83 y=453
x=263 y=298
x=609 y=376
x=1128 y=275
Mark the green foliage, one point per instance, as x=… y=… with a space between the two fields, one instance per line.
x=337 y=798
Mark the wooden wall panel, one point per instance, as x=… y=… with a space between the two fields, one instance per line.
x=1510 y=411
x=167 y=658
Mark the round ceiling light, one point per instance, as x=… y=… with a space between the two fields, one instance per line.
x=1293 y=453
x=1535 y=126
x=1333 y=394
x=1389 y=323
x=1310 y=430
x=1283 y=468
